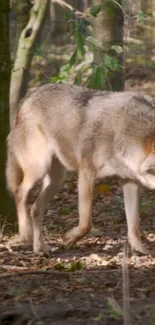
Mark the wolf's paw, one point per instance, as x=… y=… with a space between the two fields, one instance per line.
x=42 y=250
x=75 y=234
x=136 y=245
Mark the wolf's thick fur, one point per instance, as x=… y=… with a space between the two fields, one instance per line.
x=96 y=133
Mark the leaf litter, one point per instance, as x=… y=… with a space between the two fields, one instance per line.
x=84 y=284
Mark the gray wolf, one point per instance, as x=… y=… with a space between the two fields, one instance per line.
x=63 y=127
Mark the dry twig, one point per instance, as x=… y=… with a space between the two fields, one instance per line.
x=125 y=276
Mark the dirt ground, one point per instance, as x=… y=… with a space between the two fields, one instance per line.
x=84 y=284
x=91 y=283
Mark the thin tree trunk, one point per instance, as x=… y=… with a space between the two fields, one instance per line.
x=147 y=31
x=5 y=73
x=147 y=6
x=108 y=29
x=24 y=55
x=21 y=9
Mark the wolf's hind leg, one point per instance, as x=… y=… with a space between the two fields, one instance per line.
x=51 y=184
x=21 y=195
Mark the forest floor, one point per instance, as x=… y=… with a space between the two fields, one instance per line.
x=84 y=284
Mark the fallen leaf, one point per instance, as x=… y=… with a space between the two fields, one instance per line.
x=102 y=188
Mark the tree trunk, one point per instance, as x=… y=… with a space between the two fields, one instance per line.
x=21 y=9
x=147 y=6
x=108 y=29
x=24 y=55
x=6 y=211
x=147 y=29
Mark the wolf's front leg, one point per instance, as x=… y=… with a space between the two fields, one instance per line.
x=85 y=187
x=132 y=203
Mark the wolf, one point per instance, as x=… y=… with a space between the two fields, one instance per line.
x=98 y=134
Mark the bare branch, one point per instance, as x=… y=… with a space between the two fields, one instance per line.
x=125 y=275
x=70 y=7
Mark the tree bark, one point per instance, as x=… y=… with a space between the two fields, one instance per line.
x=108 y=29
x=6 y=207
x=147 y=6
x=21 y=9
x=24 y=55
x=147 y=29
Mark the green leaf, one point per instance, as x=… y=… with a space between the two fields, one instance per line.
x=73 y=58
x=111 y=62
x=97 y=79
x=75 y=266
x=96 y=43
x=65 y=68
x=78 y=78
x=57 y=79
x=59 y=266
x=63 y=74
x=105 y=188
x=110 y=12
x=82 y=27
x=140 y=17
x=100 y=78
x=114 y=308
x=80 y=42
x=118 y=49
x=94 y=10
x=69 y=14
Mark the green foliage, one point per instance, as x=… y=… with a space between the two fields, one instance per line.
x=94 y=10
x=73 y=58
x=70 y=267
x=75 y=266
x=95 y=43
x=100 y=71
x=109 y=12
x=111 y=63
x=78 y=68
x=79 y=31
x=140 y=17
x=114 y=308
x=59 y=266
x=97 y=78
x=118 y=49
x=79 y=38
x=78 y=78
x=63 y=74
x=97 y=72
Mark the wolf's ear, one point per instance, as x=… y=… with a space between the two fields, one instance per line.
x=149 y=145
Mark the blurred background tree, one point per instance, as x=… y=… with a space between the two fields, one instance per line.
x=108 y=28
x=5 y=74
